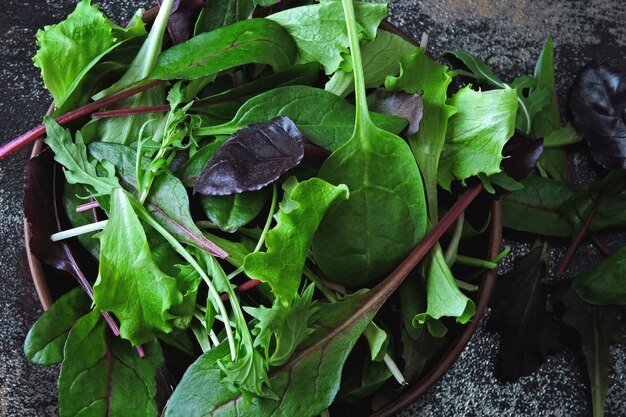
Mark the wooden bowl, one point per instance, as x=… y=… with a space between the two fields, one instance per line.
x=45 y=288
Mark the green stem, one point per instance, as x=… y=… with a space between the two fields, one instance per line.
x=268 y=221
x=479 y=263
x=466 y=286
x=225 y=129
x=80 y=230
x=202 y=338
x=453 y=247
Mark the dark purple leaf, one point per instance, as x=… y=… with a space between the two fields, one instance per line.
x=521 y=153
x=182 y=19
x=527 y=331
x=252 y=158
x=401 y=104
x=598 y=103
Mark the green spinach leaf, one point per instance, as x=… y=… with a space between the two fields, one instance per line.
x=604 y=283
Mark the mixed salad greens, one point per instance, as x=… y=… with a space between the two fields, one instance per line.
x=256 y=180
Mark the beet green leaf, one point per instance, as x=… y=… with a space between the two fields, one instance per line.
x=130 y=284
x=320 y=32
x=258 y=41
x=476 y=134
x=363 y=238
x=45 y=340
x=103 y=376
x=324 y=119
x=303 y=207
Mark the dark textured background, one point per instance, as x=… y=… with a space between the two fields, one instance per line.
x=508 y=34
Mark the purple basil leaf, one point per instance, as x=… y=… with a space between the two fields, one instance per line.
x=598 y=104
x=182 y=19
x=521 y=153
x=401 y=104
x=252 y=158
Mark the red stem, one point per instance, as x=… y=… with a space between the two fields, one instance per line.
x=129 y=112
x=87 y=206
x=577 y=239
x=248 y=285
x=33 y=134
x=604 y=249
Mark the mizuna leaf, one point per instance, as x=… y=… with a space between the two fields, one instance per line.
x=302 y=209
x=323 y=118
x=168 y=201
x=527 y=331
x=598 y=104
x=252 y=158
x=408 y=106
x=477 y=132
x=103 y=376
x=45 y=340
x=130 y=284
x=320 y=32
x=258 y=41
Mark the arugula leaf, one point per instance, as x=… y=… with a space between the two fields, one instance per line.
x=325 y=119
x=72 y=156
x=603 y=283
x=363 y=238
x=381 y=58
x=320 y=32
x=478 y=69
x=420 y=74
x=527 y=331
x=303 y=207
x=281 y=329
x=476 y=134
x=103 y=376
x=443 y=297
x=130 y=284
x=258 y=41
x=252 y=158
x=45 y=340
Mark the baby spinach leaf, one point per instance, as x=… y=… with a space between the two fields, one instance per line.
x=45 y=340
x=230 y=212
x=381 y=58
x=303 y=207
x=408 y=106
x=363 y=238
x=217 y=14
x=476 y=134
x=527 y=331
x=324 y=119
x=281 y=329
x=444 y=299
x=252 y=158
x=320 y=32
x=597 y=101
x=604 y=283
x=103 y=376
x=258 y=41
x=361 y=384
x=420 y=74
x=167 y=202
x=130 y=284
x=539 y=200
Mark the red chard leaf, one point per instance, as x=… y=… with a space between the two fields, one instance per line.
x=401 y=104
x=184 y=13
x=521 y=154
x=252 y=158
x=598 y=104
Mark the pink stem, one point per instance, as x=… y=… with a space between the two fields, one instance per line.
x=33 y=134
x=129 y=112
x=248 y=285
x=87 y=206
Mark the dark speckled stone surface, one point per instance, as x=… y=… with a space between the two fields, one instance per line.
x=507 y=34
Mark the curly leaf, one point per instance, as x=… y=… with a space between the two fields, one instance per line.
x=103 y=376
x=300 y=214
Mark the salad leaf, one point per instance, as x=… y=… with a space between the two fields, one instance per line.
x=478 y=69
x=563 y=136
x=130 y=284
x=521 y=154
x=45 y=340
x=477 y=132
x=420 y=74
x=217 y=14
x=324 y=119
x=320 y=32
x=252 y=158
x=407 y=106
x=527 y=331
x=546 y=118
x=597 y=103
x=381 y=58
x=230 y=212
x=603 y=283
x=386 y=210
x=303 y=207
x=281 y=329
x=103 y=376
x=181 y=19
x=258 y=41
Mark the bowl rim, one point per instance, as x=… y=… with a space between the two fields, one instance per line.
x=425 y=381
